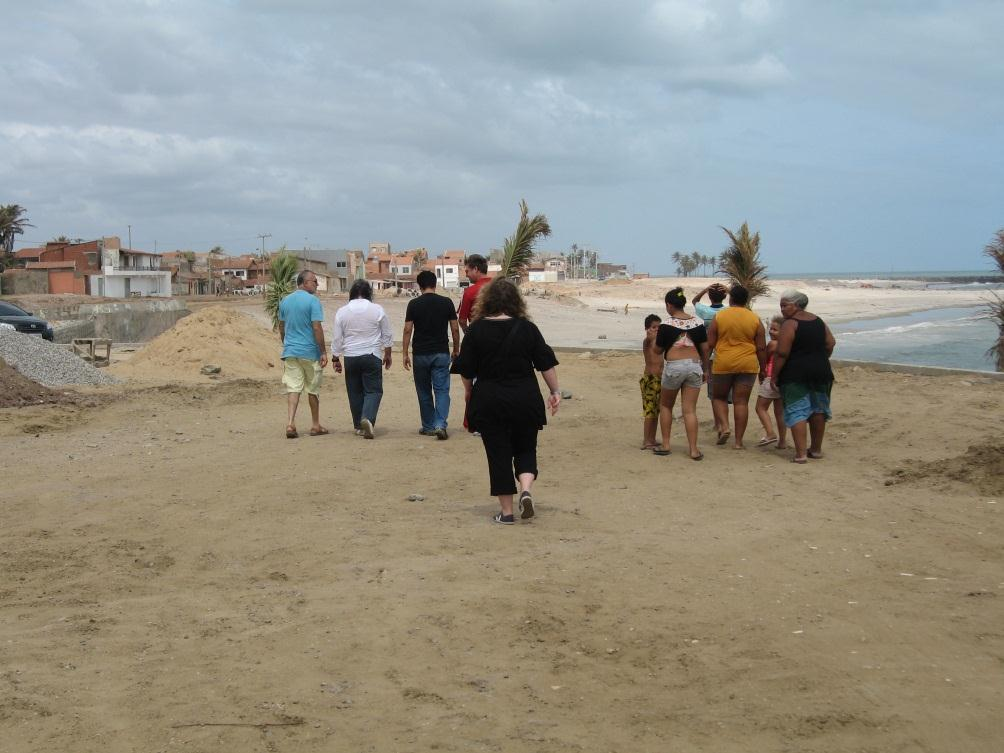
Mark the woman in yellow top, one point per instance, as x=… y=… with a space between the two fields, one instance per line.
x=737 y=337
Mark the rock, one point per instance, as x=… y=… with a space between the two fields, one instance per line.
x=566 y=395
x=416 y=498
x=210 y=369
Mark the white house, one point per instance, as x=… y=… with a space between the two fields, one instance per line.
x=126 y=272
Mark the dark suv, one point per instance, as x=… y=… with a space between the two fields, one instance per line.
x=23 y=321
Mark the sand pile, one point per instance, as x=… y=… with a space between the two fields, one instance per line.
x=17 y=390
x=216 y=336
x=981 y=465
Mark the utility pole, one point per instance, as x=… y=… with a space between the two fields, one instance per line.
x=263 y=236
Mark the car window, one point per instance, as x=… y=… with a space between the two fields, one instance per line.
x=9 y=309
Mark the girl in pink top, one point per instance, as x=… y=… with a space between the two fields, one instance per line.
x=768 y=395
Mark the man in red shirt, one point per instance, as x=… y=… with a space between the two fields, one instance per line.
x=476 y=267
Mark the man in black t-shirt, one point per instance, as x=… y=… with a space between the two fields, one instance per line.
x=425 y=324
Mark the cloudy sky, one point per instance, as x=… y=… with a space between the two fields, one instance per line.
x=853 y=135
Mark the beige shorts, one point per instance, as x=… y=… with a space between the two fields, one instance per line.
x=299 y=374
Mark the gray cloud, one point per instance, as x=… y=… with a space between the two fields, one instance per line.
x=638 y=127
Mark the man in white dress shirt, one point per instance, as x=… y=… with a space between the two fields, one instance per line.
x=362 y=335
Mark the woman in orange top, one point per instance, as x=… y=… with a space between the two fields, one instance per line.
x=737 y=337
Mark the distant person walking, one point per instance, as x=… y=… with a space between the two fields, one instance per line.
x=304 y=355
x=716 y=293
x=802 y=374
x=476 y=268
x=497 y=361
x=426 y=321
x=740 y=344
x=362 y=332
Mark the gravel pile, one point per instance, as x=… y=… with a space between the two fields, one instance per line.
x=45 y=363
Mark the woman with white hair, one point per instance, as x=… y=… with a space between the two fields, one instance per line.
x=802 y=374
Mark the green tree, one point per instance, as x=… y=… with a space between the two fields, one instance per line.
x=12 y=223
x=995 y=307
x=517 y=251
x=741 y=262
x=283 y=266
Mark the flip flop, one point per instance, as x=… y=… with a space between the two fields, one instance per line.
x=699 y=456
x=318 y=432
x=764 y=441
x=814 y=455
x=723 y=437
x=661 y=452
x=291 y=434
x=800 y=461
x=648 y=447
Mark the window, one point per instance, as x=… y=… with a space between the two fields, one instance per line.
x=341 y=264
x=9 y=309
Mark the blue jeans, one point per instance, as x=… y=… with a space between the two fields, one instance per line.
x=364 y=384
x=432 y=374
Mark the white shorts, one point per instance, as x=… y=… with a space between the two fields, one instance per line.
x=682 y=373
x=299 y=374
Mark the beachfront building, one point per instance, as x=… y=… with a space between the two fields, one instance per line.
x=343 y=268
x=127 y=272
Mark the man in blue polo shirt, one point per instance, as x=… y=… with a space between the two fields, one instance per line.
x=304 y=354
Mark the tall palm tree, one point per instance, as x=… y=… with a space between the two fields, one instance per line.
x=12 y=223
x=517 y=251
x=283 y=267
x=695 y=259
x=741 y=262
x=995 y=308
x=677 y=257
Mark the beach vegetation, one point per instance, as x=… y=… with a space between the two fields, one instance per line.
x=283 y=266
x=517 y=251
x=740 y=261
x=995 y=307
x=419 y=259
x=12 y=223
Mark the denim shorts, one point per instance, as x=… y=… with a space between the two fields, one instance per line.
x=682 y=373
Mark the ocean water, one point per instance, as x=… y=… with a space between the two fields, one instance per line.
x=955 y=338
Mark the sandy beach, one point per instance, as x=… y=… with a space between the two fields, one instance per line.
x=179 y=576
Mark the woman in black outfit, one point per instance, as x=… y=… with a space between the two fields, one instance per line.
x=802 y=374
x=497 y=359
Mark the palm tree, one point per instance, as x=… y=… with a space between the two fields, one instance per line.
x=517 y=251
x=283 y=267
x=12 y=223
x=677 y=257
x=695 y=258
x=741 y=262
x=995 y=308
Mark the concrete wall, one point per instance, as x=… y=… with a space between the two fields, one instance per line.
x=133 y=321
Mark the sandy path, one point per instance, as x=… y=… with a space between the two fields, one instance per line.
x=171 y=559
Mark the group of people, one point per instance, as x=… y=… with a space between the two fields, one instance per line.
x=497 y=360
x=726 y=347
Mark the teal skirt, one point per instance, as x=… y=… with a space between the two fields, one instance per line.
x=802 y=400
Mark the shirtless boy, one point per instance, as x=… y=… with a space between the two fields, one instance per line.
x=650 y=383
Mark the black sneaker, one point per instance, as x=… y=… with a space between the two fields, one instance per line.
x=427 y=432
x=525 y=506
x=506 y=520
x=441 y=433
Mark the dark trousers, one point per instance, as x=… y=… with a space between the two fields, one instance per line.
x=364 y=385
x=509 y=449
